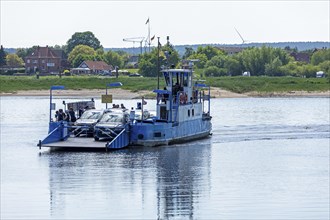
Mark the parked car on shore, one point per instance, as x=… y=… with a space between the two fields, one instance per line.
x=135 y=75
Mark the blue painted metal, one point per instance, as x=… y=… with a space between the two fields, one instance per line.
x=114 y=84
x=145 y=133
x=162 y=92
x=201 y=85
x=57 y=87
x=120 y=141
x=58 y=131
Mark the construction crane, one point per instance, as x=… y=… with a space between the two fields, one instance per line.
x=135 y=40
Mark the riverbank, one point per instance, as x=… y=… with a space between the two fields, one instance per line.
x=127 y=94
x=238 y=86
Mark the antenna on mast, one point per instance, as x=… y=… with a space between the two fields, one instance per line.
x=148 y=41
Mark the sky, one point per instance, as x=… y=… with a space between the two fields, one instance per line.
x=27 y=23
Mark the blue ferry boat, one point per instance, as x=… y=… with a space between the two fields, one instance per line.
x=182 y=114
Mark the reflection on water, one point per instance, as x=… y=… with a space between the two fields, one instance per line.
x=147 y=182
x=267 y=159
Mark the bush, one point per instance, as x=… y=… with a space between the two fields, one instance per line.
x=215 y=71
x=10 y=72
x=211 y=71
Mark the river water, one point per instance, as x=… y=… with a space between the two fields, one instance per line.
x=268 y=158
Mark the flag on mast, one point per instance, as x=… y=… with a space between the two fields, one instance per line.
x=147 y=21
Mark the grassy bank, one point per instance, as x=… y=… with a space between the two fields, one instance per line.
x=269 y=84
x=234 y=84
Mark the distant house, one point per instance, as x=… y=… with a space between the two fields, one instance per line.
x=231 y=50
x=45 y=60
x=92 y=67
x=64 y=59
x=301 y=56
x=133 y=61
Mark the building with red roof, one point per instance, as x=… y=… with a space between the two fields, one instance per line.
x=45 y=60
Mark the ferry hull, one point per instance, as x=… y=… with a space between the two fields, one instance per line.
x=155 y=134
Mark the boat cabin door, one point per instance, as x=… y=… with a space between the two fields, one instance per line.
x=179 y=82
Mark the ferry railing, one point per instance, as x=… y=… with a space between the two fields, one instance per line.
x=78 y=129
x=203 y=97
x=108 y=132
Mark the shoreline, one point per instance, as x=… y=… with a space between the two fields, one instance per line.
x=126 y=94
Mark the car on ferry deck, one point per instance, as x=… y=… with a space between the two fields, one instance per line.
x=87 y=121
x=138 y=114
x=112 y=123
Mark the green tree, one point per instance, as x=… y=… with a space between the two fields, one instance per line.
x=211 y=71
x=291 y=69
x=273 y=68
x=114 y=59
x=209 y=51
x=256 y=59
x=218 y=61
x=84 y=52
x=147 y=67
x=215 y=71
x=233 y=66
x=14 y=61
x=83 y=38
x=325 y=67
x=320 y=56
x=81 y=58
x=173 y=56
x=188 y=52
x=202 y=59
x=3 y=55
x=168 y=57
x=308 y=70
x=23 y=52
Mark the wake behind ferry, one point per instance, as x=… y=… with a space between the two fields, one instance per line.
x=182 y=114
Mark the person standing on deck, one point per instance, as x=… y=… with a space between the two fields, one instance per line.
x=60 y=115
x=72 y=115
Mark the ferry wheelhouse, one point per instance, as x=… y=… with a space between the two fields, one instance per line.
x=182 y=112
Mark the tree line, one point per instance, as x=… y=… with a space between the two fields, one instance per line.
x=262 y=61
x=80 y=47
x=212 y=61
